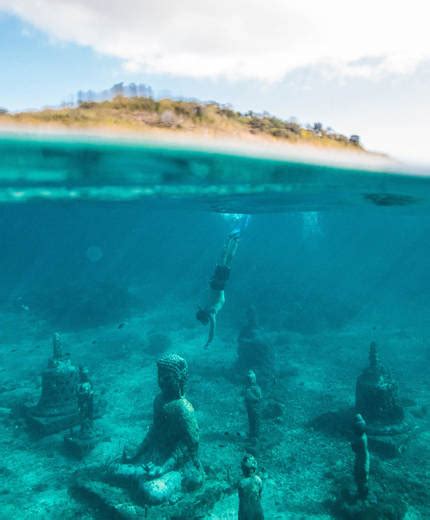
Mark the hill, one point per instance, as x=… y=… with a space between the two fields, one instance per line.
x=144 y=114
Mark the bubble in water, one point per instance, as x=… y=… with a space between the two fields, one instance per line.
x=94 y=253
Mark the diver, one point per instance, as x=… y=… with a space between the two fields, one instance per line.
x=207 y=315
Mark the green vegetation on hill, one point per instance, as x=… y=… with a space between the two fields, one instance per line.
x=140 y=114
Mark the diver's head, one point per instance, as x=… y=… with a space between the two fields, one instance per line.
x=203 y=316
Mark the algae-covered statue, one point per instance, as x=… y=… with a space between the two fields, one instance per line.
x=86 y=403
x=362 y=458
x=85 y=440
x=362 y=503
x=250 y=490
x=253 y=398
x=167 y=461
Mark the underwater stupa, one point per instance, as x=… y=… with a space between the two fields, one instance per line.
x=58 y=405
x=377 y=401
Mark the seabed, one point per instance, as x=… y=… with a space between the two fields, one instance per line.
x=303 y=465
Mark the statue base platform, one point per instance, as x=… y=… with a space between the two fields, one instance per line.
x=349 y=507
x=389 y=441
x=117 y=503
x=46 y=425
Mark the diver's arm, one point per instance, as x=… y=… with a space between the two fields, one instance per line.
x=212 y=327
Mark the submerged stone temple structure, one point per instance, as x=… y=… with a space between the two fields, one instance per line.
x=376 y=400
x=167 y=461
x=58 y=406
x=376 y=394
x=250 y=491
x=253 y=351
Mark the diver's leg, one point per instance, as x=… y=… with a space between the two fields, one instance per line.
x=232 y=242
x=231 y=249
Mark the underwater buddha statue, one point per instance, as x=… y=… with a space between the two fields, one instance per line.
x=362 y=458
x=250 y=491
x=167 y=461
x=85 y=440
x=253 y=397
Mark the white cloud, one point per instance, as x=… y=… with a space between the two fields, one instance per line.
x=262 y=39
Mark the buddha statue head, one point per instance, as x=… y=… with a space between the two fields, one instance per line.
x=249 y=465
x=359 y=425
x=251 y=378
x=172 y=375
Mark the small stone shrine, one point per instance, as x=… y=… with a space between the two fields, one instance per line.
x=376 y=399
x=58 y=406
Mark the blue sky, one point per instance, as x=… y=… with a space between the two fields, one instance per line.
x=379 y=92
x=37 y=70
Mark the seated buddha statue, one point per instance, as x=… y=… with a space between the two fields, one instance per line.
x=167 y=461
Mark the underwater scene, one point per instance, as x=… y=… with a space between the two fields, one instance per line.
x=201 y=334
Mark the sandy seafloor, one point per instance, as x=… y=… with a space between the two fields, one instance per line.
x=301 y=466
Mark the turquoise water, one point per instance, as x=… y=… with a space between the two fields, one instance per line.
x=113 y=245
x=70 y=169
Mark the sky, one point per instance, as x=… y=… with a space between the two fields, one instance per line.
x=360 y=68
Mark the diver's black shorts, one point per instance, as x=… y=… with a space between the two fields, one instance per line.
x=220 y=277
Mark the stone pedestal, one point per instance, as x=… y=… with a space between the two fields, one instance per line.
x=377 y=506
x=113 y=502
